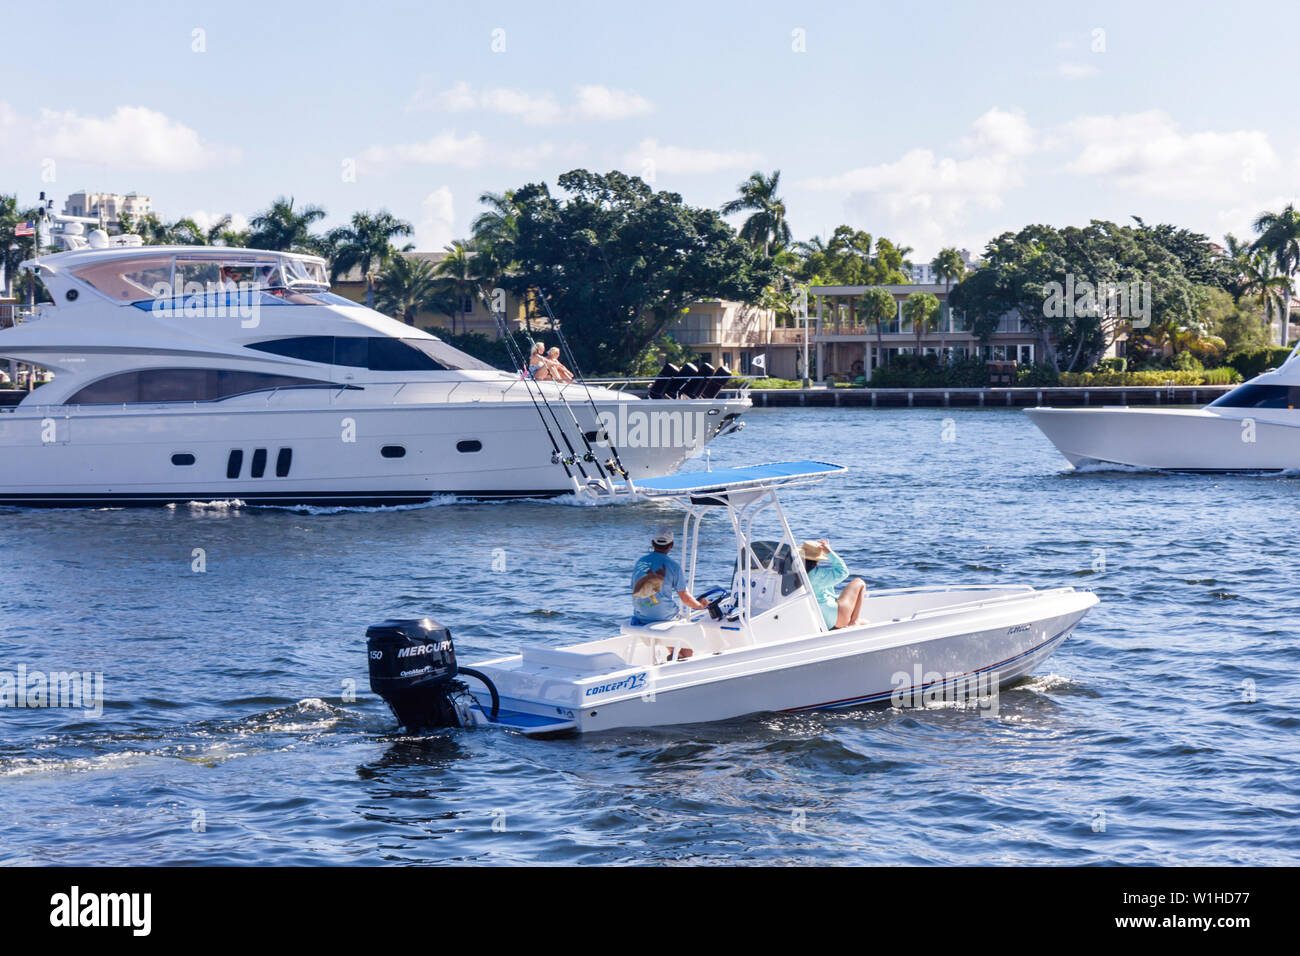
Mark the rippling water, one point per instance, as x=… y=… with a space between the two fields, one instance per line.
x=1164 y=731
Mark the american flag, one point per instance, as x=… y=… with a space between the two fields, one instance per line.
x=27 y=228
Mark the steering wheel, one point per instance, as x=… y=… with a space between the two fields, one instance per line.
x=713 y=597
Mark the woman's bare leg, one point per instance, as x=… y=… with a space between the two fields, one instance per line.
x=850 y=603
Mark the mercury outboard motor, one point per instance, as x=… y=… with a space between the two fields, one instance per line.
x=413 y=668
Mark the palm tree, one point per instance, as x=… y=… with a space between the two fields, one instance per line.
x=1260 y=279
x=1238 y=255
x=154 y=232
x=407 y=286
x=948 y=266
x=282 y=228
x=495 y=233
x=459 y=273
x=498 y=227
x=879 y=309
x=1279 y=237
x=922 y=310
x=367 y=243
x=766 y=227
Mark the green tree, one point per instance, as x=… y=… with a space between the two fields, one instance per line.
x=922 y=310
x=619 y=261
x=1279 y=236
x=1237 y=325
x=282 y=228
x=14 y=249
x=407 y=286
x=949 y=267
x=460 y=277
x=1057 y=282
x=1261 y=280
x=366 y=243
x=495 y=232
x=878 y=308
x=154 y=232
x=766 y=227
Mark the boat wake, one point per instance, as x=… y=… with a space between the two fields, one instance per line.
x=207 y=743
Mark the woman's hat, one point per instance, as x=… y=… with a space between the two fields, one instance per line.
x=813 y=551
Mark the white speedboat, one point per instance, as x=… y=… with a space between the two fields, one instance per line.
x=761 y=646
x=210 y=373
x=1255 y=427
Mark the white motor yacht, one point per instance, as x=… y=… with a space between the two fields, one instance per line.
x=1253 y=428
x=188 y=373
x=761 y=646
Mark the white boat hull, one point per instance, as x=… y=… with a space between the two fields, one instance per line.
x=934 y=655
x=69 y=456
x=1174 y=439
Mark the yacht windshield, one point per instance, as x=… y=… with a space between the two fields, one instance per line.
x=170 y=278
x=305 y=275
x=1259 y=396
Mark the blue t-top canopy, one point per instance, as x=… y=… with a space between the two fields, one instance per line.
x=732 y=479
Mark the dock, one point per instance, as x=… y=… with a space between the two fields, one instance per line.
x=1057 y=396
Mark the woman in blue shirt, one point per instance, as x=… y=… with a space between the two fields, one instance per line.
x=824 y=575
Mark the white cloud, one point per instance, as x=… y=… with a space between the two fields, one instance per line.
x=442 y=149
x=132 y=137
x=1148 y=154
x=470 y=151
x=1075 y=71
x=603 y=103
x=591 y=102
x=434 y=230
x=923 y=199
x=1004 y=133
x=206 y=220
x=649 y=158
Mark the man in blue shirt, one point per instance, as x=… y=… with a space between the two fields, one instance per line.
x=658 y=584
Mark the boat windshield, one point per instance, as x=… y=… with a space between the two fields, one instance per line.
x=152 y=277
x=1259 y=395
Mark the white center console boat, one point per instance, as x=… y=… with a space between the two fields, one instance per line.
x=761 y=646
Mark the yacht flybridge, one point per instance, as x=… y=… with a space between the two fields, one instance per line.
x=762 y=645
x=210 y=373
x=1253 y=428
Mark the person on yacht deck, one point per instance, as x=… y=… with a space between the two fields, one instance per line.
x=558 y=370
x=538 y=367
x=658 y=583
x=841 y=611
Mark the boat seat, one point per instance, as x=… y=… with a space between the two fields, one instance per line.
x=573 y=659
x=676 y=633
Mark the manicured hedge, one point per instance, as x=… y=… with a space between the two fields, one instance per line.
x=1163 y=377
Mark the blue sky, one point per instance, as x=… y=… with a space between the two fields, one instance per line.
x=931 y=123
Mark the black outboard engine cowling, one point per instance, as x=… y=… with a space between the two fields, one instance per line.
x=413 y=668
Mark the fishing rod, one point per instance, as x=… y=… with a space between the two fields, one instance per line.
x=522 y=368
x=516 y=354
x=503 y=327
x=590 y=453
x=615 y=463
